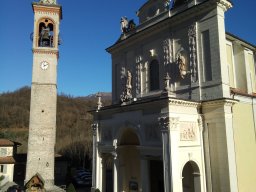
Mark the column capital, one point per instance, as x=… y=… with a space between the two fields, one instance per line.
x=200 y=121
x=167 y=123
x=94 y=126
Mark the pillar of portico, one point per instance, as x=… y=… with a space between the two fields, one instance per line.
x=115 y=167
x=170 y=140
x=144 y=172
x=94 y=155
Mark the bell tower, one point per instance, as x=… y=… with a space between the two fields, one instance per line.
x=42 y=125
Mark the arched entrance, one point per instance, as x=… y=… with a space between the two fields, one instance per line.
x=129 y=162
x=191 y=177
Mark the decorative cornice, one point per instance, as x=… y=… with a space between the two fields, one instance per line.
x=179 y=102
x=48 y=9
x=220 y=102
x=46 y=51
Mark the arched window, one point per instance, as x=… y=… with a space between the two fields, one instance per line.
x=153 y=75
x=46 y=33
x=191 y=177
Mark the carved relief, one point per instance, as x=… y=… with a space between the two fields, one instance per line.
x=192 y=36
x=174 y=123
x=138 y=74
x=188 y=132
x=167 y=48
x=200 y=122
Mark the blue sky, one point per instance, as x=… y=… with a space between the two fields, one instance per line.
x=87 y=28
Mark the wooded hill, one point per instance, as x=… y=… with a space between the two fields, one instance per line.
x=74 y=136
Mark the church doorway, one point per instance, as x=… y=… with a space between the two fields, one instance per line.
x=156 y=176
x=191 y=177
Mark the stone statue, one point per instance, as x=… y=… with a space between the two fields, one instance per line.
x=167 y=82
x=127 y=93
x=182 y=65
x=127 y=26
x=124 y=24
x=129 y=80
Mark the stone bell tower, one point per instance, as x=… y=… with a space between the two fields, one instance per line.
x=42 y=125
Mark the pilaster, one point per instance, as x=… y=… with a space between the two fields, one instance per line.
x=170 y=136
x=94 y=154
x=219 y=143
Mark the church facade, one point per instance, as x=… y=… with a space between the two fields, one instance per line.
x=183 y=108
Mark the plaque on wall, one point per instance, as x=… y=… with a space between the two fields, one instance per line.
x=188 y=131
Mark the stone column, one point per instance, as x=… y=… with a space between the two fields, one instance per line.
x=174 y=138
x=115 y=167
x=170 y=136
x=94 y=156
x=164 y=126
x=103 y=175
x=144 y=172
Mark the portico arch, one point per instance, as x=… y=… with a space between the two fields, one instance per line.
x=129 y=161
x=191 y=177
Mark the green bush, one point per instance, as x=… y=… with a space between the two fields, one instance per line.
x=71 y=188
x=1 y=178
x=97 y=190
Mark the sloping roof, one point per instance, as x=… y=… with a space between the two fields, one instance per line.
x=8 y=143
x=7 y=160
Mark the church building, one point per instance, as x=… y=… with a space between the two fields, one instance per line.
x=183 y=108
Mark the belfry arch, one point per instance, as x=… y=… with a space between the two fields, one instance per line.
x=46 y=33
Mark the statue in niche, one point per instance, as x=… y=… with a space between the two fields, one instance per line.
x=127 y=26
x=127 y=93
x=182 y=65
x=129 y=79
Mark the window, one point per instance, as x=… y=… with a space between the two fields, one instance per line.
x=3 y=152
x=230 y=61
x=2 y=169
x=154 y=75
x=250 y=61
x=206 y=56
x=240 y=67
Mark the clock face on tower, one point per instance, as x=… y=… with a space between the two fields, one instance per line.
x=44 y=65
